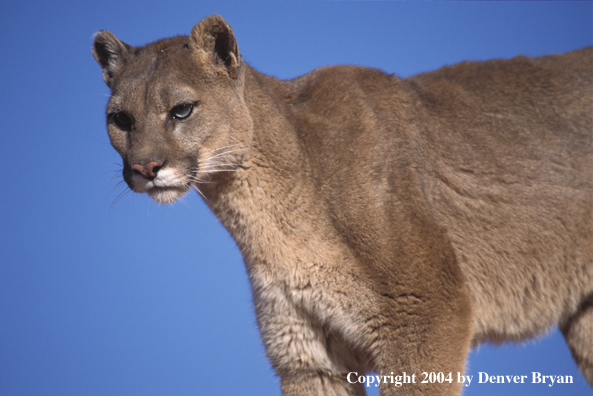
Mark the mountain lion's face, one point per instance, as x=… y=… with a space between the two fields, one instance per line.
x=175 y=116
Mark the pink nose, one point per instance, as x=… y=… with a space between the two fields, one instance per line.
x=149 y=170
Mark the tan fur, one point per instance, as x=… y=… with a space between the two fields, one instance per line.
x=386 y=224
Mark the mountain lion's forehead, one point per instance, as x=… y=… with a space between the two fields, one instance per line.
x=165 y=45
x=170 y=57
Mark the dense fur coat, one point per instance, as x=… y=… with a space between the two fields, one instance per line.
x=386 y=224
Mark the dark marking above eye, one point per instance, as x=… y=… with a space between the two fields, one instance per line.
x=182 y=111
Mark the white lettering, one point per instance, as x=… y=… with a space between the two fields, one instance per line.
x=461 y=379
x=552 y=378
x=348 y=378
x=482 y=380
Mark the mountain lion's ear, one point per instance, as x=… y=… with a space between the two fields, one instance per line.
x=213 y=41
x=109 y=52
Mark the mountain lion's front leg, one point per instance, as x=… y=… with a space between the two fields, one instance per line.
x=316 y=336
x=319 y=384
x=307 y=350
x=430 y=350
x=425 y=322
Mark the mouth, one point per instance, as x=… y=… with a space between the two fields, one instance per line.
x=167 y=187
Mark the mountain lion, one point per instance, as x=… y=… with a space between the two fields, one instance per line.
x=386 y=224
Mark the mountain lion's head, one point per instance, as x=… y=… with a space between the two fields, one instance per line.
x=176 y=115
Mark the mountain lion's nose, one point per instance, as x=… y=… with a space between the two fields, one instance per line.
x=149 y=170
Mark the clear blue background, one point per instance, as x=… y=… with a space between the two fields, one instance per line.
x=140 y=299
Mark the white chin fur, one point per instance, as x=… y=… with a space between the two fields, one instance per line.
x=166 y=188
x=165 y=195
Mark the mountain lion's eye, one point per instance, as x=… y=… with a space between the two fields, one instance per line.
x=122 y=120
x=181 y=112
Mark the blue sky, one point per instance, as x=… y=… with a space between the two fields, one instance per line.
x=134 y=298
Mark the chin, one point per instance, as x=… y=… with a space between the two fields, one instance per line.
x=166 y=195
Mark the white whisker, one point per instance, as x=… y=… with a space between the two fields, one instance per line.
x=218 y=166
x=222 y=148
x=203 y=196
x=221 y=154
x=218 y=170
